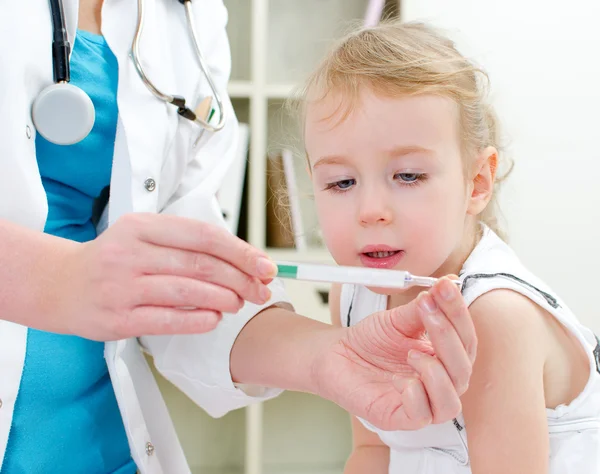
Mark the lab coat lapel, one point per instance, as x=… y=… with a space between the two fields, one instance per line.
x=135 y=100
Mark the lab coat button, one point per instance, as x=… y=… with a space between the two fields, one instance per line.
x=28 y=131
x=0 y=403
x=149 y=449
x=150 y=185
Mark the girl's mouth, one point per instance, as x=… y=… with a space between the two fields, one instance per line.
x=383 y=254
x=381 y=257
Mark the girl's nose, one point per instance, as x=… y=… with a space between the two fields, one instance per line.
x=375 y=207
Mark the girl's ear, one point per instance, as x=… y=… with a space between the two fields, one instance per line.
x=483 y=175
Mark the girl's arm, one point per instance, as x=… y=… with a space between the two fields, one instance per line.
x=504 y=407
x=369 y=453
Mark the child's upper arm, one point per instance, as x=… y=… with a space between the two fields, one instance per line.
x=362 y=437
x=334 y=304
x=504 y=407
x=369 y=453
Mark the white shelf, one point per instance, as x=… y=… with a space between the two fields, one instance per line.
x=280 y=91
x=246 y=89
x=295 y=433
x=239 y=89
x=285 y=469
x=282 y=469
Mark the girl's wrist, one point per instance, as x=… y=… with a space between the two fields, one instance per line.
x=279 y=348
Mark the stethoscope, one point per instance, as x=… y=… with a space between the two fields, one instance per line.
x=64 y=114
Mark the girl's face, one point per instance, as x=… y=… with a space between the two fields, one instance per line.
x=389 y=184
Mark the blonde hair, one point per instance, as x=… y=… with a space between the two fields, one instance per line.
x=398 y=59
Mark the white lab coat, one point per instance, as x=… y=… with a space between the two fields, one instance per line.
x=151 y=142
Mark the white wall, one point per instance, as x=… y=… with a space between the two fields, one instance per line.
x=544 y=63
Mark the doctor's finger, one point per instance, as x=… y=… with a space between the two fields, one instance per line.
x=447 y=345
x=203 y=267
x=196 y=236
x=181 y=292
x=450 y=301
x=416 y=412
x=443 y=399
x=158 y=320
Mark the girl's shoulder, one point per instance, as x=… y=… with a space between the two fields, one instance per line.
x=523 y=323
x=493 y=265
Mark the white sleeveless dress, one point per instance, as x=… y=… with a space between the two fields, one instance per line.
x=574 y=430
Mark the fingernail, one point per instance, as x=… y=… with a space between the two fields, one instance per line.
x=265 y=294
x=266 y=268
x=415 y=355
x=472 y=352
x=447 y=289
x=436 y=319
x=426 y=303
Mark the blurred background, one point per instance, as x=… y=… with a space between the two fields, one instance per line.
x=544 y=62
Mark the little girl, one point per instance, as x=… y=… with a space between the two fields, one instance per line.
x=403 y=154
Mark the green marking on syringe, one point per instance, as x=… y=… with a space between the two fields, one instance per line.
x=287 y=271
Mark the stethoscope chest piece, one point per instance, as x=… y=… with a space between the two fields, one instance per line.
x=63 y=114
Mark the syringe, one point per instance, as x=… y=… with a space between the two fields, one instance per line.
x=373 y=277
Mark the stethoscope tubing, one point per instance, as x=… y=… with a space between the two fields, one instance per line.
x=176 y=100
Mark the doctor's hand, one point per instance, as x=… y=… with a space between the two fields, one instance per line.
x=404 y=368
x=157 y=274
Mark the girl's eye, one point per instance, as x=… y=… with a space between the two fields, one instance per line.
x=410 y=178
x=341 y=185
x=345 y=184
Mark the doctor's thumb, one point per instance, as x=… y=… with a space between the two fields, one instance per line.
x=407 y=319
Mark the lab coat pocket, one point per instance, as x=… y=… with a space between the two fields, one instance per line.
x=177 y=159
x=192 y=135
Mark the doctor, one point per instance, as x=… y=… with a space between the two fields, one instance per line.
x=146 y=263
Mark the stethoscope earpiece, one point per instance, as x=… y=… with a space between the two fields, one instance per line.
x=63 y=114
